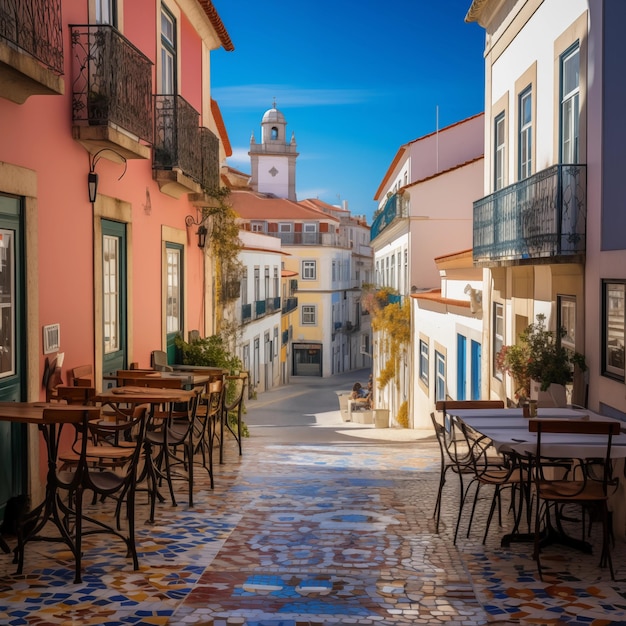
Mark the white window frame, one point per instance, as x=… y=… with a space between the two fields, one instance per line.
x=498 y=336
x=308 y=315
x=424 y=362
x=570 y=105
x=499 y=134
x=309 y=269
x=525 y=133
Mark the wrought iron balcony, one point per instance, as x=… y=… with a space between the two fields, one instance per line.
x=246 y=313
x=260 y=308
x=177 y=145
x=289 y=305
x=112 y=89
x=210 y=175
x=31 y=49
x=273 y=304
x=541 y=217
x=306 y=239
x=395 y=208
x=210 y=159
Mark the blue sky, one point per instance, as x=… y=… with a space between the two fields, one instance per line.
x=355 y=80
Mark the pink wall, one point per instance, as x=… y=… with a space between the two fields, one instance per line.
x=38 y=135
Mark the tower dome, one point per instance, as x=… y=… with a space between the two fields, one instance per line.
x=273 y=115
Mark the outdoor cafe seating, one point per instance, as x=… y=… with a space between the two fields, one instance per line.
x=559 y=465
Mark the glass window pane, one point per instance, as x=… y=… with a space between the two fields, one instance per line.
x=7 y=303
x=173 y=304
x=614 y=328
x=111 y=293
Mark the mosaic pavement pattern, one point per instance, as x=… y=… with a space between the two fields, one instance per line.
x=312 y=535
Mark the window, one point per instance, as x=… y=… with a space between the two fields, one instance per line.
x=570 y=105
x=244 y=286
x=257 y=227
x=8 y=307
x=440 y=372
x=106 y=12
x=274 y=134
x=613 y=328
x=276 y=283
x=111 y=292
x=257 y=284
x=499 y=152
x=168 y=52
x=309 y=270
x=285 y=227
x=174 y=286
x=566 y=314
x=309 y=233
x=266 y=282
x=525 y=133
x=309 y=315
x=392 y=280
x=498 y=336
x=334 y=271
x=424 y=362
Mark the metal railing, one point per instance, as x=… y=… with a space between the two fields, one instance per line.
x=542 y=216
x=395 y=208
x=111 y=81
x=210 y=159
x=272 y=304
x=246 y=313
x=177 y=142
x=260 y=308
x=35 y=27
x=306 y=239
x=290 y=304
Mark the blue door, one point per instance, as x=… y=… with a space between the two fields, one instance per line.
x=476 y=352
x=461 y=366
x=12 y=347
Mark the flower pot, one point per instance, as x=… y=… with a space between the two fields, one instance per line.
x=554 y=396
x=381 y=418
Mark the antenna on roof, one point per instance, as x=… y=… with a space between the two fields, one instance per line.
x=437 y=135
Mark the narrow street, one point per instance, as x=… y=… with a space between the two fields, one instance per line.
x=320 y=522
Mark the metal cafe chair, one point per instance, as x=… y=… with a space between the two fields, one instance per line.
x=588 y=484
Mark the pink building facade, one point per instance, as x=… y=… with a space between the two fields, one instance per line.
x=114 y=95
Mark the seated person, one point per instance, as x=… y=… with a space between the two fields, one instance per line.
x=360 y=394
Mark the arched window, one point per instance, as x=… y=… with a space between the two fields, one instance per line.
x=274 y=132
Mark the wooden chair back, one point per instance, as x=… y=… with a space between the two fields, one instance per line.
x=75 y=395
x=446 y=405
x=81 y=376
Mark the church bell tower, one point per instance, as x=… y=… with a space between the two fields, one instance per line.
x=273 y=161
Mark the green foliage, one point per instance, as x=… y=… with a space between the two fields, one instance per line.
x=403 y=415
x=208 y=351
x=393 y=322
x=540 y=356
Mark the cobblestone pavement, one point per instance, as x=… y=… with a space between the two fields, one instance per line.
x=310 y=532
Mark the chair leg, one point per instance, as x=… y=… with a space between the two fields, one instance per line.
x=437 y=511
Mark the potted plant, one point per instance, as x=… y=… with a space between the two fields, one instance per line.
x=540 y=364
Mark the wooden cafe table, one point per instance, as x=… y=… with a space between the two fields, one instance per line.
x=134 y=395
x=50 y=419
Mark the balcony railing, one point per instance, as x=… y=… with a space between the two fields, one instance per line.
x=177 y=143
x=290 y=304
x=543 y=216
x=394 y=208
x=35 y=27
x=112 y=81
x=306 y=239
x=260 y=308
x=210 y=160
x=246 y=313
x=273 y=304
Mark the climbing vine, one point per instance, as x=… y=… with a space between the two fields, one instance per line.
x=392 y=320
x=224 y=246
